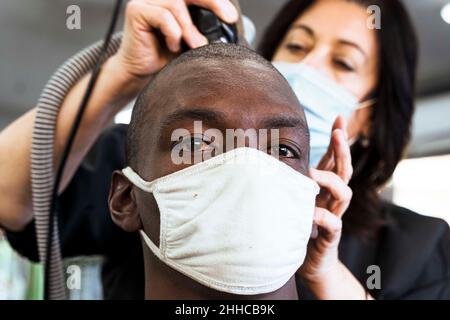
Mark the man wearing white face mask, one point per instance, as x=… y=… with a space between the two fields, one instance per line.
x=238 y=224
x=86 y=225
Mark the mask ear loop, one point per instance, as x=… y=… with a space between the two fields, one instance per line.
x=146 y=186
x=363 y=140
x=137 y=181
x=366 y=104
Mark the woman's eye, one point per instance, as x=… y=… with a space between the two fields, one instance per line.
x=295 y=48
x=344 y=66
x=285 y=152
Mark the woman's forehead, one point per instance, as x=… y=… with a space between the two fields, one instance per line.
x=339 y=20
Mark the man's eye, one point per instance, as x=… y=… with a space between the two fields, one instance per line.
x=285 y=152
x=194 y=144
x=199 y=144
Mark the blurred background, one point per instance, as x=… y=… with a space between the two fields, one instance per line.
x=34 y=41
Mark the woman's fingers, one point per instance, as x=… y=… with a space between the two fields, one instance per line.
x=338 y=155
x=177 y=10
x=342 y=156
x=149 y=17
x=180 y=12
x=331 y=224
x=328 y=162
x=341 y=124
x=141 y=53
x=314 y=231
x=224 y=9
x=341 y=150
x=341 y=194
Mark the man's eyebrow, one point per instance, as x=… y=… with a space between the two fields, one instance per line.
x=206 y=115
x=285 y=121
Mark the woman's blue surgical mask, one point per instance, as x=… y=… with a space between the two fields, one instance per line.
x=323 y=101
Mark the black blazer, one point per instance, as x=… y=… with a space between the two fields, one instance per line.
x=412 y=251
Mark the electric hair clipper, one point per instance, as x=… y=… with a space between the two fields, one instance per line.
x=214 y=29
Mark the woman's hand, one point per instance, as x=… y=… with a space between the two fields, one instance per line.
x=332 y=174
x=142 y=52
x=322 y=271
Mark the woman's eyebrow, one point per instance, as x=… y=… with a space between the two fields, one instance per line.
x=305 y=28
x=310 y=32
x=354 y=45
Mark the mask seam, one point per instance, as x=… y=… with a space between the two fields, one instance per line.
x=163 y=220
x=216 y=284
x=221 y=161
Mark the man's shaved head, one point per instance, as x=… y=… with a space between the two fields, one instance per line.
x=223 y=64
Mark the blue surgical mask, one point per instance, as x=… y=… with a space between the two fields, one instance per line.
x=323 y=101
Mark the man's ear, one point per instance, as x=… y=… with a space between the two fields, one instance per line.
x=122 y=203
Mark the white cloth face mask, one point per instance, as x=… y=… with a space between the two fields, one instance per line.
x=323 y=101
x=237 y=223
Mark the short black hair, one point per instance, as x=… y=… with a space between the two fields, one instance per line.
x=223 y=53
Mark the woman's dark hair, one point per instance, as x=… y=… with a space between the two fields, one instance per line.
x=391 y=119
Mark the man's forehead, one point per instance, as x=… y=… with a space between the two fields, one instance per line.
x=244 y=88
x=222 y=75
